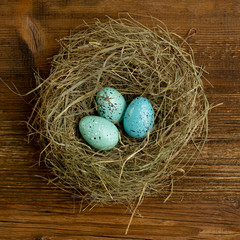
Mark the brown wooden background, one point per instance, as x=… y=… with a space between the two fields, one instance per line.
x=206 y=203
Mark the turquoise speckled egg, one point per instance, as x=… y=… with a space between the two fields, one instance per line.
x=111 y=104
x=138 y=118
x=99 y=132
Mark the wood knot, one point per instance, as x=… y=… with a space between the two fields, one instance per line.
x=42 y=238
x=33 y=36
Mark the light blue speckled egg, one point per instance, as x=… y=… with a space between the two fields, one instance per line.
x=111 y=104
x=99 y=132
x=138 y=118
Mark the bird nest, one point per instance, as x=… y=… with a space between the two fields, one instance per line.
x=136 y=61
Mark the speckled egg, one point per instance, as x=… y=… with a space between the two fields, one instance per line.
x=138 y=118
x=98 y=132
x=111 y=104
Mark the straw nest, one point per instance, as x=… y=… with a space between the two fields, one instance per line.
x=136 y=61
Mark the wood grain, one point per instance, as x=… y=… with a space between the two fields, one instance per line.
x=205 y=203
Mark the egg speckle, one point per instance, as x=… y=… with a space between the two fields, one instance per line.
x=99 y=132
x=138 y=118
x=111 y=104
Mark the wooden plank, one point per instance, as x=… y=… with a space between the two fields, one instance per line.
x=205 y=203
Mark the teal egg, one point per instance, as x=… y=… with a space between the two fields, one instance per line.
x=138 y=118
x=111 y=104
x=99 y=132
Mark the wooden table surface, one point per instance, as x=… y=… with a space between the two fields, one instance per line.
x=205 y=203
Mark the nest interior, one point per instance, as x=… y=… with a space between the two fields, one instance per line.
x=136 y=61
